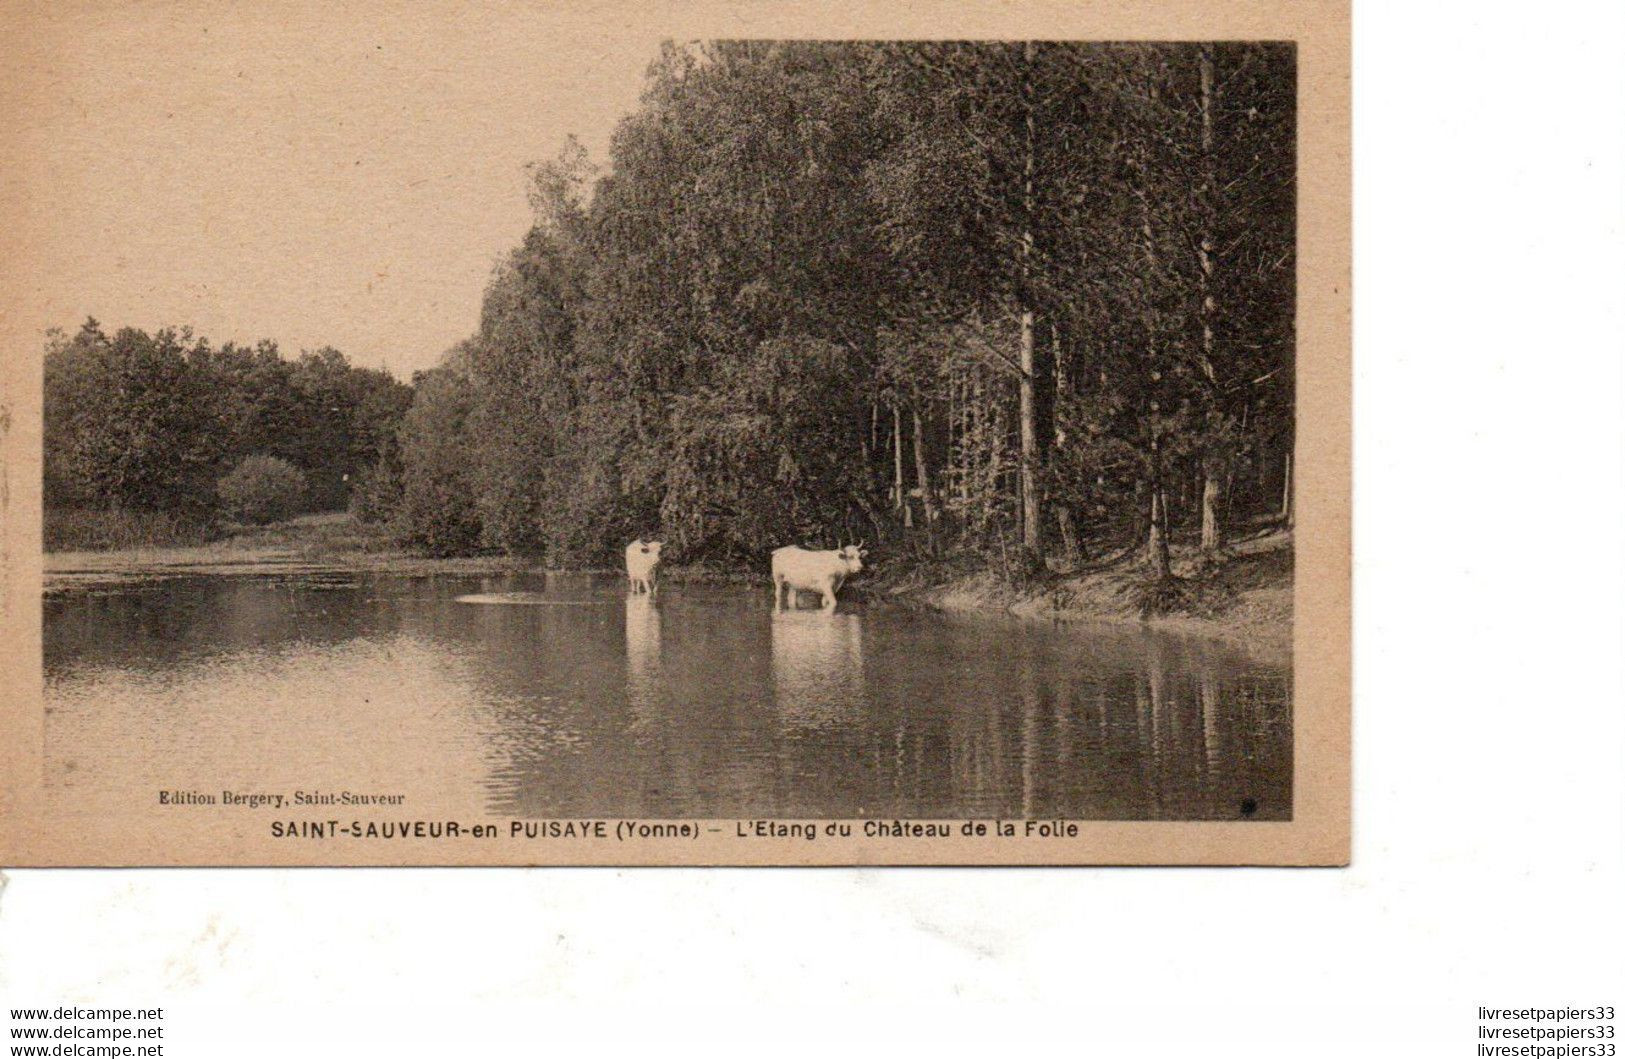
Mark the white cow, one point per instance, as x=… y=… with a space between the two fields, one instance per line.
x=822 y=572
x=641 y=559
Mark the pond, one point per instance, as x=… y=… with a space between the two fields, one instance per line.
x=555 y=695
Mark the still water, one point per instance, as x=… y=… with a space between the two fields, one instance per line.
x=558 y=695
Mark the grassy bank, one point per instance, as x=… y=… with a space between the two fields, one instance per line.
x=1245 y=597
x=310 y=543
x=82 y=529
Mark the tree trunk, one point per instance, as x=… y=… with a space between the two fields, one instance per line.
x=1286 y=490
x=1205 y=201
x=961 y=445
x=1212 y=529
x=1063 y=384
x=922 y=475
x=950 y=454
x=1156 y=545
x=1157 y=536
x=1032 y=507
x=1065 y=519
x=971 y=498
x=1212 y=538
x=1071 y=543
x=899 y=495
x=998 y=436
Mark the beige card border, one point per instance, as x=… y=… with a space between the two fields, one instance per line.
x=1318 y=834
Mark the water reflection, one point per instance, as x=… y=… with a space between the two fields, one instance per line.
x=705 y=703
x=642 y=656
x=271 y=719
x=817 y=665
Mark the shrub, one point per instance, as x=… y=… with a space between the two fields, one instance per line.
x=262 y=489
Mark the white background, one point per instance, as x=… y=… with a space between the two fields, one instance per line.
x=1489 y=863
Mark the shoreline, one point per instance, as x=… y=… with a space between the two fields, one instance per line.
x=1245 y=601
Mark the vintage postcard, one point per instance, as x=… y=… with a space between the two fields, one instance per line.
x=654 y=434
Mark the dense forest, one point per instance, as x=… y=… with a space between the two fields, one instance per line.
x=1026 y=300
x=1027 y=297
x=152 y=426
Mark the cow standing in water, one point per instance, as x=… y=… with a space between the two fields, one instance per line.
x=797 y=569
x=641 y=559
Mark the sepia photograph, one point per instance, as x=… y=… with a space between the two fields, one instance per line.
x=823 y=527
x=742 y=446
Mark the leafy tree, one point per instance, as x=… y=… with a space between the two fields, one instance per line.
x=150 y=422
x=438 y=510
x=953 y=291
x=122 y=425
x=521 y=365
x=768 y=456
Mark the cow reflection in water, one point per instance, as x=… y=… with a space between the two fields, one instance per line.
x=817 y=667
x=642 y=658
